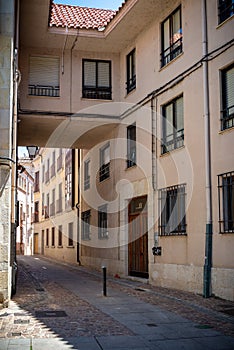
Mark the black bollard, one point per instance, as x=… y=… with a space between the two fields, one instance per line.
x=104 y=280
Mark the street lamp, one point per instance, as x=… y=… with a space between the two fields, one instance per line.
x=32 y=151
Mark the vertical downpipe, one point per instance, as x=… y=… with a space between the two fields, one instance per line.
x=209 y=228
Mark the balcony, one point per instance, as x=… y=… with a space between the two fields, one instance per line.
x=59 y=162
x=40 y=90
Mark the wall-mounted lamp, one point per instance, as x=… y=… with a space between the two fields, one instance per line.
x=32 y=151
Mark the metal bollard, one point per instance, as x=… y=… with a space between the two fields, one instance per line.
x=104 y=280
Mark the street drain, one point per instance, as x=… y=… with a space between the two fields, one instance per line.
x=151 y=325
x=203 y=326
x=16 y=334
x=40 y=289
x=21 y=321
x=52 y=313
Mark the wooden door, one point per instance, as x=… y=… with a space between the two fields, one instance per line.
x=138 y=238
x=36 y=251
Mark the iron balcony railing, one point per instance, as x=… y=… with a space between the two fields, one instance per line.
x=99 y=93
x=172 y=51
x=173 y=141
x=104 y=172
x=41 y=90
x=227 y=118
x=131 y=84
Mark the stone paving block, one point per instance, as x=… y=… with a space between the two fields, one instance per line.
x=19 y=344
x=4 y=344
x=121 y=342
x=50 y=344
x=84 y=343
x=177 y=344
x=217 y=343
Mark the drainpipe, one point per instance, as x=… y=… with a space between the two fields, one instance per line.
x=209 y=228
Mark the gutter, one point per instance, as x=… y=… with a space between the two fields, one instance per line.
x=209 y=224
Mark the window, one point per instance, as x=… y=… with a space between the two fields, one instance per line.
x=225 y=9
x=52 y=205
x=85 y=217
x=172 y=211
x=171 y=37
x=131 y=71
x=173 y=125
x=70 y=234
x=47 y=173
x=102 y=222
x=86 y=174
x=96 y=79
x=43 y=204
x=60 y=235
x=68 y=178
x=131 y=145
x=43 y=173
x=227 y=113
x=47 y=206
x=226 y=202
x=36 y=184
x=59 y=200
x=60 y=160
x=52 y=169
x=104 y=171
x=47 y=237
x=36 y=211
x=43 y=76
x=53 y=236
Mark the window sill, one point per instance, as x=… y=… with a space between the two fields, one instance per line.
x=46 y=246
x=53 y=246
x=86 y=239
x=71 y=246
x=131 y=167
x=171 y=62
x=221 y=132
x=224 y=22
x=169 y=152
x=96 y=99
x=128 y=93
x=59 y=246
x=104 y=180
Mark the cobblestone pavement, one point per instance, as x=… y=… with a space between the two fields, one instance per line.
x=36 y=293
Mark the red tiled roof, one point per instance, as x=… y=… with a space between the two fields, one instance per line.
x=79 y=17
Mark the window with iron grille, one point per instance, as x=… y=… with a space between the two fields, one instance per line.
x=104 y=171
x=102 y=222
x=43 y=173
x=172 y=125
x=59 y=204
x=86 y=174
x=172 y=220
x=68 y=178
x=227 y=113
x=47 y=208
x=47 y=173
x=131 y=71
x=47 y=237
x=85 y=217
x=60 y=235
x=60 y=160
x=226 y=202
x=172 y=38
x=96 y=79
x=53 y=236
x=36 y=183
x=43 y=204
x=52 y=205
x=44 y=76
x=70 y=234
x=225 y=9
x=36 y=211
x=131 y=145
x=52 y=169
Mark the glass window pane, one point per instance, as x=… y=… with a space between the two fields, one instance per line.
x=166 y=34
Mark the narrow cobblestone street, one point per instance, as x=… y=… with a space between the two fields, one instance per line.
x=60 y=306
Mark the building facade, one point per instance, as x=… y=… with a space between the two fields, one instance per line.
x=146 y=94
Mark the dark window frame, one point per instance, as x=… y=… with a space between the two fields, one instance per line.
x=85 y=229
x=172 y=211
x=131 y=71
x=226 y=202
x=177 y=140
x=131 y=145
x=60 y=236
x=96 y=92
x=227 y=112
x=86 y=174
x=52 y=236
x=102 y=222
x=176 y=46
x=104 y=171
x=225 y=10
x=68 y=179
x=47 y=237
x=70 y=234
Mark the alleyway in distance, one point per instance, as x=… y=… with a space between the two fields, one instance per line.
x=60 y=306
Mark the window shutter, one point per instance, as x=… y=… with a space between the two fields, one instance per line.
x=90 y=73
x=44 y=71
x=103 y=74
x=229 y=89
x=179 y=114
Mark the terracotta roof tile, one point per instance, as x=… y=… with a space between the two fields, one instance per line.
x=79 y=17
